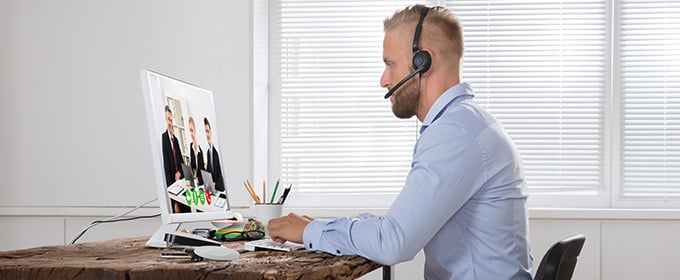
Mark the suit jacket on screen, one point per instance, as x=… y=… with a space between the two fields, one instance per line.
x=171 y=164
x=197 y=162
x=215 y=169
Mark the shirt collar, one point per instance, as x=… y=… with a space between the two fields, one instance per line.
x=440 y=105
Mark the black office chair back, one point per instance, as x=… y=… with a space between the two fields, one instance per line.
x=560 y=260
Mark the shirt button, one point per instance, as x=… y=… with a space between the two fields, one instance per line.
x=310 y=245
x=337 y=251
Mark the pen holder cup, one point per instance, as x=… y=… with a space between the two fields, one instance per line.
x=267 y=211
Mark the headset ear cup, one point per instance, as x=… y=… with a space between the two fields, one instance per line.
x=421 y=61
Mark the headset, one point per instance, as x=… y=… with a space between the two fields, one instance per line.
x=421 y=59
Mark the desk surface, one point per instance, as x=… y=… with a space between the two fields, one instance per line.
x=128 y=258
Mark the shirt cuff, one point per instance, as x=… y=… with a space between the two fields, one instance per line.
x=312 y=234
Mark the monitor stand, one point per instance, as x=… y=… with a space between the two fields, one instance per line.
x=157 y=240
x=167 y=236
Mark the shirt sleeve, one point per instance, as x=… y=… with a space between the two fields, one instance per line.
x=445 y=172
x=327 y=235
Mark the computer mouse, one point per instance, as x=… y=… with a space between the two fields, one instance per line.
x=216 y=253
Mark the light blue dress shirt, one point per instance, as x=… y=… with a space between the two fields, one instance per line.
x=464 y=202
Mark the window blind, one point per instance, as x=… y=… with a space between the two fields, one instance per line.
x=341 y=146
x=545 y=69
x=649 y=62
x=540 y=67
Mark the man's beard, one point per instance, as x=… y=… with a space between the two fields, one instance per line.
x=405 y=101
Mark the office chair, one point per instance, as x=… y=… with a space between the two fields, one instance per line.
x=559 y=261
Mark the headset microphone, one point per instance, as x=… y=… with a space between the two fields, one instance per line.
x=400 y=83
x=421 y=60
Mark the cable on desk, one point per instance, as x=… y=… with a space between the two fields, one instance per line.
x=115 y=219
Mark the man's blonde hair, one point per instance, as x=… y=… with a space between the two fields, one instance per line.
x=441 y=30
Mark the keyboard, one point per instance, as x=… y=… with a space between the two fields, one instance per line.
x=268 y=244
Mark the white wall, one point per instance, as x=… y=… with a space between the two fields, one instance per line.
x=72 y=111
x=74 y=142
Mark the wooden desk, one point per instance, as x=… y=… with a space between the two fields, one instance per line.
x=128 y=258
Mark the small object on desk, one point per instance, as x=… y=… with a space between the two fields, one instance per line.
x=174 y=255
x=220 y=224
x=212 y=253
x=183 y=240
x=250 y=230
x=268 y=244
x=204 y=232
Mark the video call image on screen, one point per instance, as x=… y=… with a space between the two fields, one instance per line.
x=182 y=116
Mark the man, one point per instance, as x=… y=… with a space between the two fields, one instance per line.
x=214 y=166
x=172 y=159
x=195 y=153
x=172 y=154
x=464 y=201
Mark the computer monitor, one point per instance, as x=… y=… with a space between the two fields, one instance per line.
x=171 y=105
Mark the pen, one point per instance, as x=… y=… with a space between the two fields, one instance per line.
x=250 y=186
x=283 y=197
x=275 y=189
x=250 y=191
x=285 y=193
x=264 y=192
x=257 y=198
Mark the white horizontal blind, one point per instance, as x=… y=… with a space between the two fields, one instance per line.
x=649 y=59
x=540 y=68
x=341 y=146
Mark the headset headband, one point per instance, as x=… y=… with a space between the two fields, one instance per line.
x=416 y=37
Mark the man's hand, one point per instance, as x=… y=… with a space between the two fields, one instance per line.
x=177 y=176
x=288 y=228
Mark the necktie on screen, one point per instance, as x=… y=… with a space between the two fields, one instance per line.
x=174 y=155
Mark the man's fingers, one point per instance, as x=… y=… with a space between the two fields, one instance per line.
x=278 y=239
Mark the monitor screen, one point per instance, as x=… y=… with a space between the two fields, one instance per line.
x=187 y=157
